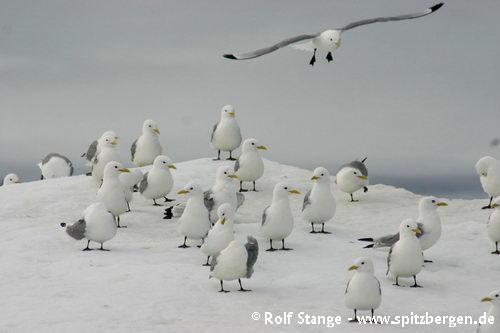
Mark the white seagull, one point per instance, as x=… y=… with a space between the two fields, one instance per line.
x=494 y=299
x=111 y=192
x=327 y=41
x=145 y=149
x=221 y=234
x=226 y=134
x=405 y=257
x=55 y=165
x=158 y=182
x=249 y=166
x=194 y=222
x=352 y=177
x=236 y=261
x=488 y=169
x=107 y=153
x=494 y=225
x=94 y=149
x=10 y=179
x=319 y=203
x=363 y=290
x=97 y=225
x=277 y=219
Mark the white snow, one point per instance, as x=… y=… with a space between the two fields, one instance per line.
x=147 y=284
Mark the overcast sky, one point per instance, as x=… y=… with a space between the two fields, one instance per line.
x=420 y=98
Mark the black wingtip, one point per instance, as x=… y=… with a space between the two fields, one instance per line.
x=368 y=239
x=63 y=224
x=368 y=246
x=229 y=56
x=436 y=7
x=364 y=159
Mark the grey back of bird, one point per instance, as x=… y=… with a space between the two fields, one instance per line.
x=77 y=229
x=252 y=248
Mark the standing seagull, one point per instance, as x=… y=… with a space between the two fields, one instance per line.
x=221 y=234
x=319 y=203
x=129 y=180
x=107 y=153
x=226 y=134
x=488 y=169
x=235 y=262
x=277 y=219
x=194 y=222
x=158 y=182
x=10 y=179
x=405 y=257
x=145 y=149
x=352 y=177
x=494 y=225
x=494 y=299
x=249 y=167
x=94 y=149
x=97 y=225
x=326 y=41
x=363 y=290
x=111 y=192
x=55 y=165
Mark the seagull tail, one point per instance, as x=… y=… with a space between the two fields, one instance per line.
x=63 y=225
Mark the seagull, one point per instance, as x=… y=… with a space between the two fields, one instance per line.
x=494 y=225
x=195 y=221
x=327 y=41
x=236 y=261
x=94 y=149
x=129 y=180
x=319 y=203
x=226 y=134
x=97 y=225
x=55 y=165
x=277 y=219
x=352 y=177
x=428 y=222
x=10 y=179
x=111 y=192
x=249 y=166
x=363 y=290
x=158 y=182
x=147 y=147
x=494 y=299
x=221 y=234
x=488 y=169
x=107 y=153
x=405 y=257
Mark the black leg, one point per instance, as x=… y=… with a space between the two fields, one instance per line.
x=283 y=246
x=312 y=227
x=154 y=203
x=241 y=187
x=136 y=188
x=218 y=156
x=365 y=189
x=231 y=156
x=496 y=249
x=329 y=56
x=254 y=189
x=352 y=198
x=397 y=281
x=183 y=246
x=102 y=248
x=208 y=262
x=323 y=229
x=489 y=205
x=118 y=223
x=222 y=287
x=271 y=249
x=429 y=261
x=168 y=200
x=415 y=285
x=241 y=287
x=168 y=213
x=128 y=206
x=313 y=59
x=87 y=248
x=355 y=319
x=373 y=314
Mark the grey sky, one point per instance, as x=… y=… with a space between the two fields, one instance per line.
x=419 y=98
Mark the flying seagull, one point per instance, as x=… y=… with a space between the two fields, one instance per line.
x=326 y=41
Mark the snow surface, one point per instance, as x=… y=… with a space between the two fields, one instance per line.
x=147 y=284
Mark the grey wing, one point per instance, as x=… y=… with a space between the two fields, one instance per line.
x=90 y=154
x=360 y=166
x=133 y=148
x=307 y=202
x=422 y=228
x=144 y=183
x=49 y=156
x=252 y=247
x=392 y=18
x=388 y=240
x=240 y=199
x=379 y=287
x=347 y=287
x=213 y=132
x=208 y=200
x=264 y=215
x=213 y=263
x=236 y=165
x=269 y=49
x=77 y=230
x=389 y=260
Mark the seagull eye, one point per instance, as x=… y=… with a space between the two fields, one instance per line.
x=407 y=226
x=331 y=40
x=496 y=295
x=253 y=144
x=322 y=174
x=362 y=263
x=355 y=172
x=116 y=167
x=191 y=188
x=286 y=188
x=433 y=201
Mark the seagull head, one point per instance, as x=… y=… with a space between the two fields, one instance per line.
x=225 y=174
x=431 y=203
x=108 y=140
x=191 y=189
x=353 y=175
x=110 y=133
x=252 y=145
x=163 y=162
x=409 y=228
x=321 y=175
x=282 y=190
x=227 y=112
x=150 y=126
x=225 y=212
x=362 y=264
x=331 y=39
x=11 y=178
x=493 y=298
x=113 y=169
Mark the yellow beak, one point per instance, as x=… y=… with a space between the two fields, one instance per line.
x=353 y=267
x=183 y=191
x=262 y=147
x=233 y=176
x=114 y=142
x=314 y=178
x=124 y=170
x=294 y=191
x=157 y=130
x=17 y=181
x=442 y=203
x=172 y=166
x=494 y=205
x=232 y=114
x=487 y=299
x=363 y=177
x=417 y=231
x=223 y=220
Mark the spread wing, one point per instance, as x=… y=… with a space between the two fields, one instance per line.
x=392 y=18
x=213 y=132
x=133 y=148
x=269 y=49
x=307 y=202
x=144 y=183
